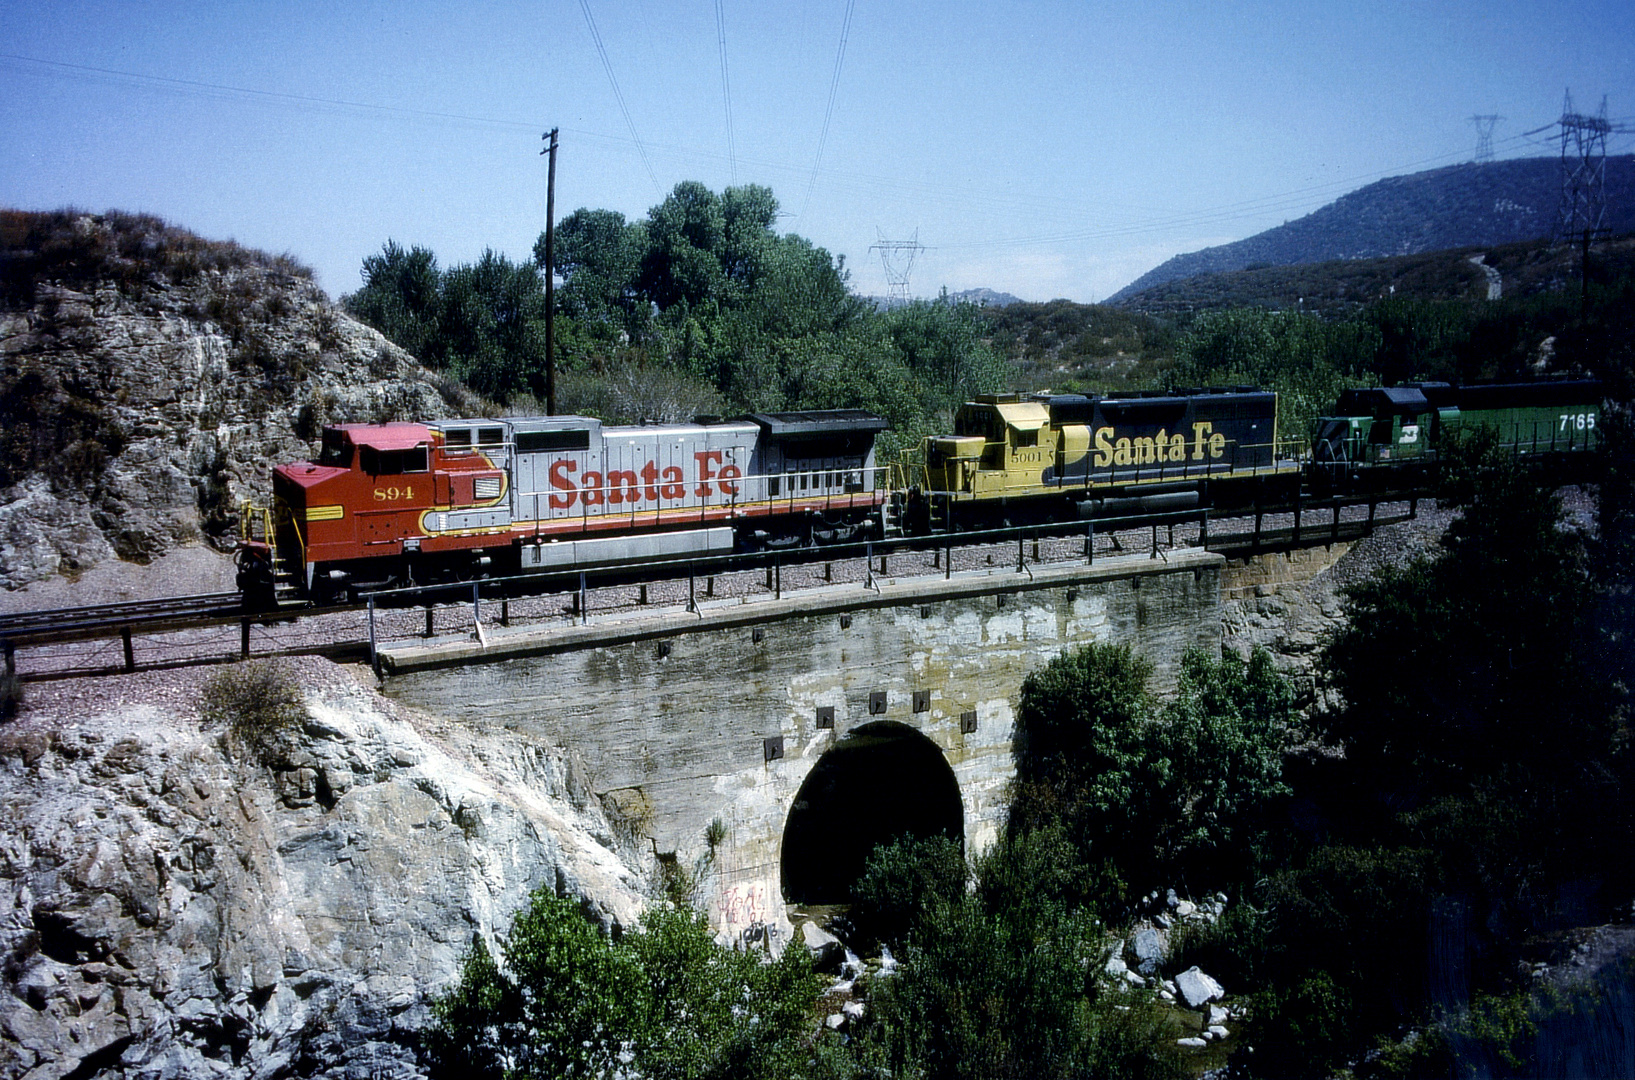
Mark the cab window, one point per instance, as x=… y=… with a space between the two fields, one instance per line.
x=392 y=462
x=336 y=451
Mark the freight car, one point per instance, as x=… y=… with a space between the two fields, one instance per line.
x=400 y=504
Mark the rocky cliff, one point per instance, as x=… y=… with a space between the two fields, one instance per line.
x=171 y=905
x=150 y=379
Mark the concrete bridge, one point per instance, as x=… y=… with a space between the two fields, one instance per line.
x=816 y=725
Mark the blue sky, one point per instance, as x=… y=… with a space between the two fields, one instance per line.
x=1043 y=149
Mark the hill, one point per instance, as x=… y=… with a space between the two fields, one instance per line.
x=150 y=378
x=1492 y=203
x=1344 y=286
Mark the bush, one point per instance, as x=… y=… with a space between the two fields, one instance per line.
x=905 y=886
x=664 y=1002
x=260 y=701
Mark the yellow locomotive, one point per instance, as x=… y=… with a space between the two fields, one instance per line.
x=1050 y=457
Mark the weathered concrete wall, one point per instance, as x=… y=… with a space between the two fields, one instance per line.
x=671 y=714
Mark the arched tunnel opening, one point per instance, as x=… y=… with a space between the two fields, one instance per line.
x=881 y=781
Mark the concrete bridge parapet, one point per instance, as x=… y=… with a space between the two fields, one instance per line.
x=905 y=694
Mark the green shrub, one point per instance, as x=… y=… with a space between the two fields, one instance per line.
x=259 y=701
x=904 y=886
x=663 y=1002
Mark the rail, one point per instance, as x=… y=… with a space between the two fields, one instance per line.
x=358 y=630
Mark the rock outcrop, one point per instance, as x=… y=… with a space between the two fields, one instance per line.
x=149 y=380
x=170 y=906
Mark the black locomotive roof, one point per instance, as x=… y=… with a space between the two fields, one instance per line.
x=1423 y=397
x=1383 y=401
x=805 y=425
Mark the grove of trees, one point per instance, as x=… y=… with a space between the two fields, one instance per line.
x=702 y=298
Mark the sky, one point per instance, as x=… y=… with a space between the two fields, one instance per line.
x=1045 y=149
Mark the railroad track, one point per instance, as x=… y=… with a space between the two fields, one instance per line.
x=1235 y=534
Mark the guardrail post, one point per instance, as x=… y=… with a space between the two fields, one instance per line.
x=1021 y=558
x=868 y=565
x=1334 y=529
x=130 y=651
x=582 y=600
x=641 y=596
x=476 y=604
x=1203 y=530
x=428 y=619
x=244 y=639
x=1090 y=541
x=374 y=654
x=1370 y=514
x=505 y=612
x=1413 y=507
x=692 y=602
x=1296 y=517
x=11 y=658
x=1154 y=554
x=777 y=578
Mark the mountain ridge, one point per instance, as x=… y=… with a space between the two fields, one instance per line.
x=1457 y=206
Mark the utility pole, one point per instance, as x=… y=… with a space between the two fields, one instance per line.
x=550 y=275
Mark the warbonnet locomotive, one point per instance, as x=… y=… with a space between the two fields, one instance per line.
x=400 y=504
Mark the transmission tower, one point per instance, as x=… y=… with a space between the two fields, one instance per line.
x=1583 y=173
x=1484 y=136
x=897 y=256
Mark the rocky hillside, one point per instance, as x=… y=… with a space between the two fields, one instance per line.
x=149 y=380
x=1468 y=205
x=175 y=902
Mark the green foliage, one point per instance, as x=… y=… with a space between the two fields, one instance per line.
x=1473 y=661
x=1306 y=360
x=1225 y=735
x=989 y=987
x=664 y=1002
x=702 y=300
x=905 y=886
x=402 y=298
x=260 y=702
x=1144 y=791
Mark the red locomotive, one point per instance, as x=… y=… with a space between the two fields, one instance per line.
x=399 y=504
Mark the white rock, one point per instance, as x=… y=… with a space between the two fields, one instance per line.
x=1196 y=988
x=1218 y=1015
x=834 y=1021
x=1218 y=1031
x=1192 y=1041
x=1134 y=980
x=1186 y=909
x=1116 y=967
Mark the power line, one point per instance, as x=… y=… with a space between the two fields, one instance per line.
x=828 y=111
x=607 y=66
x=726 y=84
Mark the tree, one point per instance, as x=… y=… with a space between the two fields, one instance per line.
x=665 y=1002
x=599 y=256
x=1224 y=735
x=1473 y=661
x=565 y=1005
x=402 y=298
